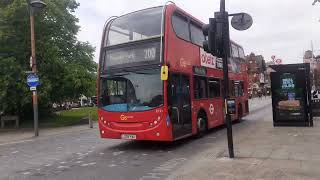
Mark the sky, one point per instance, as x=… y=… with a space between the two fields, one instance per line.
x=283 y=28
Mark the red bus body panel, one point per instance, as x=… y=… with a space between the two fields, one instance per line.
x=181 y=56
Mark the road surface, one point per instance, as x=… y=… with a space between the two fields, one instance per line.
x=83 y=155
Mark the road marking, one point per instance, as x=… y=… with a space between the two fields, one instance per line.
x=26 y=173
x=14 y=152
x=63 y=167
x=16 y=142
x=117 y=153
x=163 y=170
x=112 y=165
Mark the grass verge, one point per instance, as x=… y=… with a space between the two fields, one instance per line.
x=71 y=117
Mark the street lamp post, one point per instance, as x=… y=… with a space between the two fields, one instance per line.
x=34 y=5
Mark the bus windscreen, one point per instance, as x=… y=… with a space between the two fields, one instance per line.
x=132 y=91
x=135 y=26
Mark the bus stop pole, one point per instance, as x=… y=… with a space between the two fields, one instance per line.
x=225 y=55
x=34 y=70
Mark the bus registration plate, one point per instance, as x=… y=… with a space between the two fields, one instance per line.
x=128 y=136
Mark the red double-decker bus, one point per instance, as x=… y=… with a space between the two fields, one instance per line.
x=136 y=104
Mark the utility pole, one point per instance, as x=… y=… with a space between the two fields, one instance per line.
x=218 y=44
x=34 y=70
x=33 y=6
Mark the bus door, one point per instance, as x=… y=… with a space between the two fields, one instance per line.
x=180 y=104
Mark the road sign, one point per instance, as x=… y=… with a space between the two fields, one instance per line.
x=278 y=61
x=242 y=21
x=33 y=88
x=33 y=80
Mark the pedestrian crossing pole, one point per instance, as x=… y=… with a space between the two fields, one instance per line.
x=217 y=43
x=224 y=17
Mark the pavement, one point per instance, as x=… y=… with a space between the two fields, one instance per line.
x=13 y=136
x=262 y=152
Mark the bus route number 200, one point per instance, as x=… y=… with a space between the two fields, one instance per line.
x=150 y=53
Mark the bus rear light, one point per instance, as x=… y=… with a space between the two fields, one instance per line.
x=104 y=122
x=158 y=134
x=101 y=118
x=102 y=132
x=151 y=124
x=155 y=122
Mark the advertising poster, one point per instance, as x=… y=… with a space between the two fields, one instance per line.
x=289 y=96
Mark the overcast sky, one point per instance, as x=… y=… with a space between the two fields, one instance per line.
x=283 y=28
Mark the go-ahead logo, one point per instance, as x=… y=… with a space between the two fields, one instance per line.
x=124 y=117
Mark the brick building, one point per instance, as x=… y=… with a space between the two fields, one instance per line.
x=257 y=73
x=314 y=68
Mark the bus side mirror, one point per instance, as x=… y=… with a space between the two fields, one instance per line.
x=164 y=73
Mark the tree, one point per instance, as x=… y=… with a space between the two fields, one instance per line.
x=65 y=65
x=315 y=1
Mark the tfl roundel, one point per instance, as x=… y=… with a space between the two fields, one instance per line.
x=278 y=61
x=33 y=80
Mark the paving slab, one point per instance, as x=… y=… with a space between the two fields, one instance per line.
x=263 y=152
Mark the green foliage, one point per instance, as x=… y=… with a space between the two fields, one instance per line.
x=70 y=117
x=65 y=65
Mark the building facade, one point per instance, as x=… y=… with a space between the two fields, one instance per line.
x=257 y=74
x=314 y=62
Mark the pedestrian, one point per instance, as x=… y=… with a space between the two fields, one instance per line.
x=260 y=94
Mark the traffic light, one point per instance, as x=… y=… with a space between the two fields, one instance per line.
x=209 y=31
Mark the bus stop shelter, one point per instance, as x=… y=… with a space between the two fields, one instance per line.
x=291 y=95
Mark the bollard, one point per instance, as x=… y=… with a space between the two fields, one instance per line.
x=90 y=121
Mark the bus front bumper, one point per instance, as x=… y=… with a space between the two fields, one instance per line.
x=161 y=132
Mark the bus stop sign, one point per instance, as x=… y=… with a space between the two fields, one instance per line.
x=32 y=80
